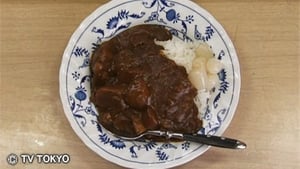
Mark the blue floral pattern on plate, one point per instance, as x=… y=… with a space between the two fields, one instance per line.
x=186 y=21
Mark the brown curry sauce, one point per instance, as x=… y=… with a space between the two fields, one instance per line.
x=136 y=88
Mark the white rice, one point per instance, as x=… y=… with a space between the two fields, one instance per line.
x=183 y=54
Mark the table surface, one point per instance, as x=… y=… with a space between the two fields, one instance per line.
x=34 y=34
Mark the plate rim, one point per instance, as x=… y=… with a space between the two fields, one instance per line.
x=72 y=42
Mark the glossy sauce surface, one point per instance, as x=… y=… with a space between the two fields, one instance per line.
x=136 y=88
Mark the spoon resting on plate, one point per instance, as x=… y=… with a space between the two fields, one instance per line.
x=211 y=140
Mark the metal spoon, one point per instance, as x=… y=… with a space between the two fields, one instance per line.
x=199 y=138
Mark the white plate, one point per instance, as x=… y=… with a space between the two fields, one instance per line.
x=186 y=20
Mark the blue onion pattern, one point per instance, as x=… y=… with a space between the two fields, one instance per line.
x=162 y=151
x=221 y=55
x=185 y=145
x=104 y=138
x=223 y=87
x=115 y=24
x=203 y=36
x=164 y=8
x=86 y=63
x=118 y=144
x=161 y=155
x=80 y=95
x=81 y=51
x=146 y=145
x=154 y=16
x=112 y=23
x=76 y=75
x=171 y=15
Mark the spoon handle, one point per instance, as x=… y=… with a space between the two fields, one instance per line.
x=215 y=141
